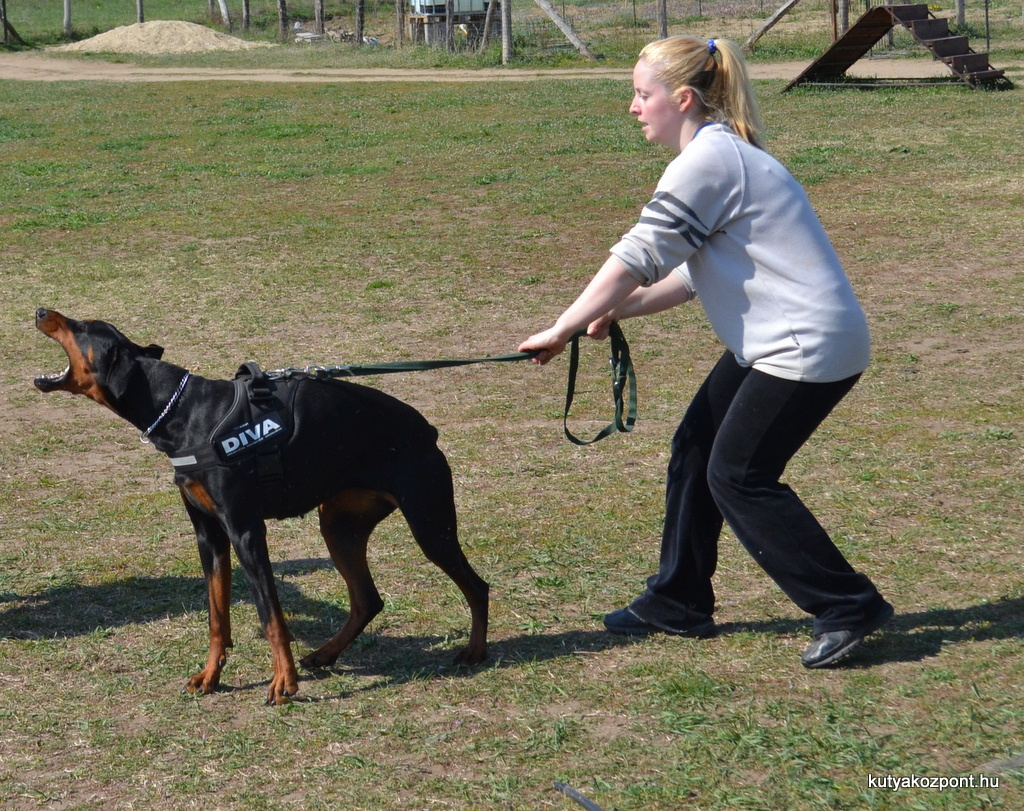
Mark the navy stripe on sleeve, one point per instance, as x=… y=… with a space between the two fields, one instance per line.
x=666 y=211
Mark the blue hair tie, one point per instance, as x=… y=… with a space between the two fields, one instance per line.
x=711 y=47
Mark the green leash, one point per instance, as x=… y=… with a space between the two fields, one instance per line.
x=623 y=377
x=623 y=380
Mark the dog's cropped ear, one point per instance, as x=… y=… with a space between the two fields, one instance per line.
x=122 y=368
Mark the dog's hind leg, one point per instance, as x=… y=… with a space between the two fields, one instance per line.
x=428 y=503
x=346 y=522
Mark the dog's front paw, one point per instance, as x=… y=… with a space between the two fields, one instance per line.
x=281 y=691
x=201 y=684
x=208 y=679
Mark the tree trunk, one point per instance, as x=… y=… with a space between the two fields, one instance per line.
x=67 y=19
x=225 y=17
x=319 y=16
x=662 y=19
x=961 y=14
x=245 y=15
x=360 y=20
x=140 y=15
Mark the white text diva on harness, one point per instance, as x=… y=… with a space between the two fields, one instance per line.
x=249 y=436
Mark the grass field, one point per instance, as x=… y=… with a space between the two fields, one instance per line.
x=352 y=223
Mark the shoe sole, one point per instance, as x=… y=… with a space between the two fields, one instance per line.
x=694 y=633
x=702 y=631
x=840 y=654
x=880 y=619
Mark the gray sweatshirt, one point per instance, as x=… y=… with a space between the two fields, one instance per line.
x=740 y=232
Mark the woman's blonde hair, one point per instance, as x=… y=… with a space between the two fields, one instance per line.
x=716 y=70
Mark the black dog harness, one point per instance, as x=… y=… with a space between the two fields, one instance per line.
x=255 y=428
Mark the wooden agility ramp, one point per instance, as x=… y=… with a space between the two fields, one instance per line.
x=967 y=66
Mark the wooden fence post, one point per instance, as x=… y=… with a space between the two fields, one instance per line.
x=506 y=32
x=565 y=28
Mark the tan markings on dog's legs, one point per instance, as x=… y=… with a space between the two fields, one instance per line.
x=346 y=522
x=218 y=589
x=201 y=497
x=286 y=678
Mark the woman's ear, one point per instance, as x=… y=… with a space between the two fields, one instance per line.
x=685 y=98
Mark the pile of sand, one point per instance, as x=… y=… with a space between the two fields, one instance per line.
x=161 y=37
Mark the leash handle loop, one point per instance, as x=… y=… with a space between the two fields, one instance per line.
x=623 y=380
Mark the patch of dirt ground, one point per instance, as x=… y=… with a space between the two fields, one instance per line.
x=51 y=68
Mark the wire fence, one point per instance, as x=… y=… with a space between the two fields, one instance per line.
x=805 y=28
x=614 y=26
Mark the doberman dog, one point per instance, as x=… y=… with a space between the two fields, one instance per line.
x=353 y=453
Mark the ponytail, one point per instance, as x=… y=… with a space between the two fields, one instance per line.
x=717 y=72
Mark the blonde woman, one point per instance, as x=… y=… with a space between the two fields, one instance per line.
x=728 y=224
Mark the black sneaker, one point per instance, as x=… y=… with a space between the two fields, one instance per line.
x=827 y=649
x=627 y=623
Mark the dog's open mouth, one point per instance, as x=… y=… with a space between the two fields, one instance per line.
x=46 y=322
x=52 y=381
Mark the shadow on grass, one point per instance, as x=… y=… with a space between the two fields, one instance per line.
x=914 y=636
x=394 y=661
x=72 y=610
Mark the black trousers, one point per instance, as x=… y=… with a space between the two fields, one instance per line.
x=728 y=455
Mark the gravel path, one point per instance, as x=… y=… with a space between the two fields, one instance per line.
x=49 y=66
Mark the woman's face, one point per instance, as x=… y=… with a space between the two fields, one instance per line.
x=654 y=108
